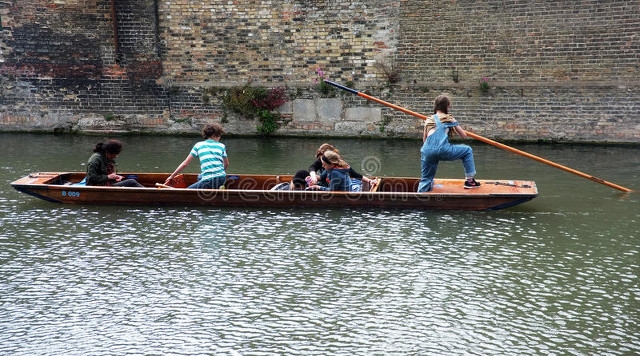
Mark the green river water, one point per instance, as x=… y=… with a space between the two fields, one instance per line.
x=555 y=276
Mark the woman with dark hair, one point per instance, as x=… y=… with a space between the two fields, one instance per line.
x=101 y=168
x=436 y=146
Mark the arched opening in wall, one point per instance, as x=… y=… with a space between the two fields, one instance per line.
x=135 y=27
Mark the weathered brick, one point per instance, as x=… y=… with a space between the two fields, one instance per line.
x=557 y=70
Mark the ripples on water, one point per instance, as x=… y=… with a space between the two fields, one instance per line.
x=558 y=275
x=221 y=281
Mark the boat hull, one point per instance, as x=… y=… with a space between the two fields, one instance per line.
x=254 y=191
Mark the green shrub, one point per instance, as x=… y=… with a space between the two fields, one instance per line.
x=250 y=101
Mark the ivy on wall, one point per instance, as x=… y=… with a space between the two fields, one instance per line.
x=252 y=101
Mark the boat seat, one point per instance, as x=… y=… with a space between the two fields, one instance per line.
x=82 y=182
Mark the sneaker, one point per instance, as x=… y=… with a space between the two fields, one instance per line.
x=471 y=183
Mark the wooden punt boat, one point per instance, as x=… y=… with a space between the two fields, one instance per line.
x=253 y=190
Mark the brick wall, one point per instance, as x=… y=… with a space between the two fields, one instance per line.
x=520 y=41
x=62 y=61
x=557 y=70
x=228 y=42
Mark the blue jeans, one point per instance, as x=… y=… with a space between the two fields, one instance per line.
x=430 y=158
x=212 y=183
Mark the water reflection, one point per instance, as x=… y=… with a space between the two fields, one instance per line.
x=557 y=276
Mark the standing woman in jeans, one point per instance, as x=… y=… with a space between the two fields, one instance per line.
x=436 y=146
x=213 y=159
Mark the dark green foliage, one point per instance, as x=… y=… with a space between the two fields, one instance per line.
x=250 y=101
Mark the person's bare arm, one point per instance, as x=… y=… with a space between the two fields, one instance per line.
x=460 y=131
x=182 y=166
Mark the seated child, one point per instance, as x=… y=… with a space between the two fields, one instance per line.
x=335 y=174
x=297 y=183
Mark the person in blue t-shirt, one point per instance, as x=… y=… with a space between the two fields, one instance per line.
x=213 y=159
x=317 y=168
x=335 y=174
